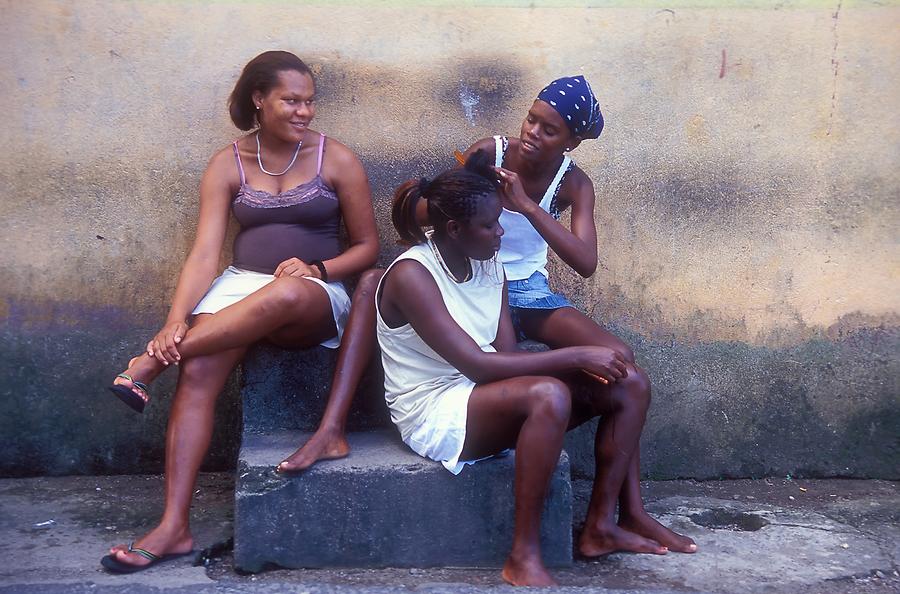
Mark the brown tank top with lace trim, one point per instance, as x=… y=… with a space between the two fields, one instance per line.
x=302 y=222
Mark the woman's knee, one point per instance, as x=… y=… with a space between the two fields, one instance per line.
x=287 y=293
x=551 y=398
x=634 y=389
x=195 y=375
x=626 y=352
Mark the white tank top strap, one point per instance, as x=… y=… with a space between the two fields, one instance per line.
x=557 y=179
x=498 y=150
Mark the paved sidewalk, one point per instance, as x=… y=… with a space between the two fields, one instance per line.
x=772 y=536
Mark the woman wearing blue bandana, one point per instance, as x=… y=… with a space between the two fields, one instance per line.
x=539 y=182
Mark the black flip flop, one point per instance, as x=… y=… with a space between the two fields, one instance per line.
x=113 y=565
x=127 y=395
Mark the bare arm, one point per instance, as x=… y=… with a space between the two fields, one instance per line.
x=216 y=188
x=576 y=246
x=343 y=172
x=506 y=334
x=410 y=295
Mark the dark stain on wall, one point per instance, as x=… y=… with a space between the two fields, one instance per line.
x=386 y=173
x=481 y=89
x=822 y=408
x=340 y=81
x=56 y=415
x=725 y=196
x=826 y=407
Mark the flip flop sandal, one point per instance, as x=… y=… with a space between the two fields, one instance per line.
x=113 y=565
x=127 y=395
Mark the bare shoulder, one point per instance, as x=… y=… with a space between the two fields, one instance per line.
x=576 y=187
x=338 y=153
x=408 y=274
x=223 y=167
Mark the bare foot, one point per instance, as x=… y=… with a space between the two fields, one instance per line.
x=158 y=541
x=526 y=572
x=323 y=445
x=142 y=368
x=596 y=541
x=648 y=527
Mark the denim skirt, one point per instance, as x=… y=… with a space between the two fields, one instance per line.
x=532 y=293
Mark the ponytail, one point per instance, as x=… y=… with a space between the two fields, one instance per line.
x=403 y=212
x=451 y=195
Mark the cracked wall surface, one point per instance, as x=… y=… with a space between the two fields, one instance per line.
x=747 y=187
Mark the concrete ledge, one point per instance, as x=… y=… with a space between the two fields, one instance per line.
x=288 y=390
x=383 y=506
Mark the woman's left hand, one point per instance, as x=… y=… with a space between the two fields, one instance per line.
x=512 y=194
x=296 y=267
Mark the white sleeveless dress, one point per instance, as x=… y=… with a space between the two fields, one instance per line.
x=428 y=397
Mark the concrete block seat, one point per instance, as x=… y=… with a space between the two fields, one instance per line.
x=383 y=506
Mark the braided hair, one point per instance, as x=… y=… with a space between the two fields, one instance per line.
x=452 y=195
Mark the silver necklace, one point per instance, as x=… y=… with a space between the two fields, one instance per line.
x=440 y=259
x=263 y=169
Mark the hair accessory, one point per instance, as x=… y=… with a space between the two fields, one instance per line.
x=259 y=158
x=423 y=186
x=573 y=99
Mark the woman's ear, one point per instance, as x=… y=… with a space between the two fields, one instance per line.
x=571 y=146
x=453 y=229
x=257 y=98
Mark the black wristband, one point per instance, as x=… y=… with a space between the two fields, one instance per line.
x=322 y=272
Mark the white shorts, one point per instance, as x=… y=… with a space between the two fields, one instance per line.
x=234 y=284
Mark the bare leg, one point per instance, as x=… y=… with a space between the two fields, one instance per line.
x=634 y=518
x=530 y=413
x=569 y=327
x=187 y=439
x=357 y=346
x=305 y=315
x=623 y=406
x=281 y=310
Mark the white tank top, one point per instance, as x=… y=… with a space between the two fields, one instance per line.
x=522 y=250
x=415 y=377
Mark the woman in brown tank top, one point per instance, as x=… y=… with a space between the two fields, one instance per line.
x=289 y=193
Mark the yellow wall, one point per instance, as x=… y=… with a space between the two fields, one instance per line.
x=747 y=179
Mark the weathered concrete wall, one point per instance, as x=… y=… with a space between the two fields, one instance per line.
x=747 y=183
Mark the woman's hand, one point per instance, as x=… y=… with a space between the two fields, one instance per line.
x=512 y=194
x=603 y=364
x=296 y=267
x=163 y=346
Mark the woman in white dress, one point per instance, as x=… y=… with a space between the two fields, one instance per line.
x=457 y=389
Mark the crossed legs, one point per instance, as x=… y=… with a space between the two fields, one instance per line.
x=289 y=312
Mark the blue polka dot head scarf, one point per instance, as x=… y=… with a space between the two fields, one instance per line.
x=573 y=99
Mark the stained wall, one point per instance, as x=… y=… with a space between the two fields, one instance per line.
x=747 y=185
